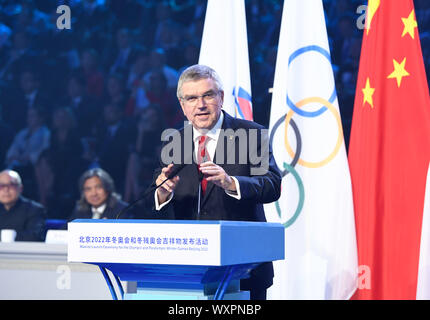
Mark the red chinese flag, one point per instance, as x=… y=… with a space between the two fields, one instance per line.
x=389 y=151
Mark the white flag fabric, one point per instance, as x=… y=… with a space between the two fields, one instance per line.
x=423 y=286
x=316 y=204
x=224 y=48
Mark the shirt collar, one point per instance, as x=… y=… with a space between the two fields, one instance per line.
x=212 y=133
x=100 y=209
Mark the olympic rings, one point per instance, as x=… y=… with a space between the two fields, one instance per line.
x=298 y=140
x=339 y=139
x=287 y=119
x=301 y=197
x=333 y=96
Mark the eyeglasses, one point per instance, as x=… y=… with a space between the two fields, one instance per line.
x=9 y=186
x=207 y=97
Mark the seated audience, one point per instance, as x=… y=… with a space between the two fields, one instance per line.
x=24 y=216
x=7 y=134
x=158 y=93
x=86 y=108
x=29 y=95
x=143 y=158
x=93 y=75
x=113 y=137
x=59 y=164
x=26 y=148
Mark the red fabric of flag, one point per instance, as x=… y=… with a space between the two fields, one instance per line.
x=389 y=151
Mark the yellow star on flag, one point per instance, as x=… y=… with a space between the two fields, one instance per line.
x=410 y=25
x=373 y=6
x=399 y=71
x=368 y=93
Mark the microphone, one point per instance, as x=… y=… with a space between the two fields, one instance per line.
x=176 y=169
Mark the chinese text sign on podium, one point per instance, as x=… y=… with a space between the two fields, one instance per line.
x=176 y=259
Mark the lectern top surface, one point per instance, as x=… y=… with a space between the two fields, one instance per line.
x=216 y=222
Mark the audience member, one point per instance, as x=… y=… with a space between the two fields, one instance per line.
x=28 y=96
x=99 y=199
x=158 y=93
x=114 y=135
x=127 y=12
x=86 y=109
x=93 y=76
x=29 y=143
x=26 y=148
x=158 y=62
x=60 y=164
x=123 y=55
x=93 y=21
x=138 y=100
x=18 y=213
x=7 y=135
x=117 y=92
x=143 y=159
x=191 y=55
x=140 y=66
x=19 y=56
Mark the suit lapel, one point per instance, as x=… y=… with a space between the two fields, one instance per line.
x=190 y=171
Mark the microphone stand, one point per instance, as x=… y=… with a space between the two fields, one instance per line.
x=150 y=189
x=199 y=195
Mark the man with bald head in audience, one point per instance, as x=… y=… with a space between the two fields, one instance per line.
x=25 y=216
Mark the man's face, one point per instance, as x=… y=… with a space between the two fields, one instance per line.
x=201 y=103
x=94 y=192
x=10 y=190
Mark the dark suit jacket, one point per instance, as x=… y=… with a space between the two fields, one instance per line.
x=27 y=218
x=216 y=204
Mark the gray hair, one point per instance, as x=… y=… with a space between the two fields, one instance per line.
x=13 y=175
x=195 y=73
x=107 y=183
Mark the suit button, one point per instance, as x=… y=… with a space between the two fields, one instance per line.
x=204 y=213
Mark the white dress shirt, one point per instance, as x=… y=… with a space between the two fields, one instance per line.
x=98 y=212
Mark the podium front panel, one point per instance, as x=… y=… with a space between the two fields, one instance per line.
x=173 y=242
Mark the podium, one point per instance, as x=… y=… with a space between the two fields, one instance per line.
x=176 y=259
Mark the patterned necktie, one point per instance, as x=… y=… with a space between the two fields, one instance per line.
x=203 y=156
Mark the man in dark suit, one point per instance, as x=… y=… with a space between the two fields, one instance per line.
x=24 y=216
x=28 y=96
x=233 y=185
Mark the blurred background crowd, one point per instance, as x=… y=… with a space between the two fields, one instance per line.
x=100 y=94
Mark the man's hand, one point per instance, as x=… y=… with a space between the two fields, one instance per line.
x=218 y=176
x=167 y=188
